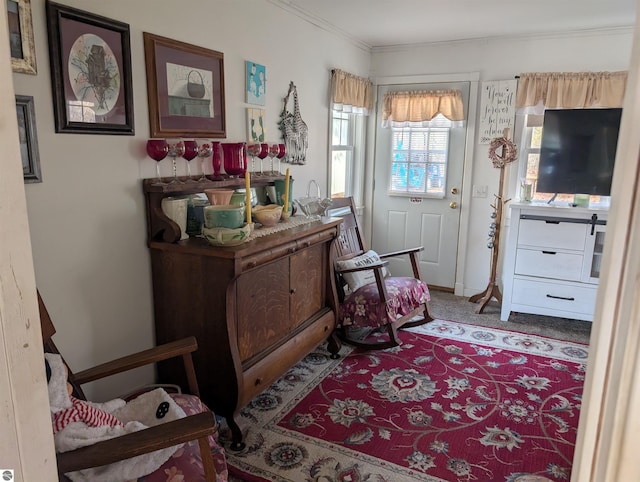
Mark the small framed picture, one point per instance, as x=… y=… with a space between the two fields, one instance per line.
x=255 y=125
x=23 y=49
x=90 y=60
x=256 y=75
x=26 y=113
x=185 y=88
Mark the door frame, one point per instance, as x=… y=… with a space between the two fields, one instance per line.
x=467 y=172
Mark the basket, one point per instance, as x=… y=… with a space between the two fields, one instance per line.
x=313 y=205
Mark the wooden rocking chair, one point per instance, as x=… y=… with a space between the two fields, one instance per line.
x=386 y=303
x=193 y=427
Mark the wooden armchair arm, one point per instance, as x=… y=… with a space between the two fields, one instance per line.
x=138 y=443
x=401 y=252
x=182 y=347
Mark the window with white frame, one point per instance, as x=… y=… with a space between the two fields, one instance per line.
x=347 y=155
x=530 y=155
x=419 y=161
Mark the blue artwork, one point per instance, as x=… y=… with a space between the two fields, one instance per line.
x=256 y=83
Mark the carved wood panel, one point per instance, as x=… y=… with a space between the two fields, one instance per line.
x=307 y=282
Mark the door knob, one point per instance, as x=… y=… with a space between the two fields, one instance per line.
x=453 y=205
x=454 y=190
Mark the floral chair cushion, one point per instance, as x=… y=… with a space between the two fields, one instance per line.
x=363 y=308
x=186 y=464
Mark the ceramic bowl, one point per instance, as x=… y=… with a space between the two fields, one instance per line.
x=231 y=217
x=267 y=215
x=226 y=236
x=219 y=197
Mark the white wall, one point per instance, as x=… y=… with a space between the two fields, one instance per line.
x=502 y=59
x=87 y=218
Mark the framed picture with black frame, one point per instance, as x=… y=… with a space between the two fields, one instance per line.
x=185 y=88
x=26 y=113
x=90 y=58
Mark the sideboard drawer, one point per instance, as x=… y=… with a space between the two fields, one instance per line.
x=269 y=255
x=556 y=296
x=549 y=264
x=555 y=235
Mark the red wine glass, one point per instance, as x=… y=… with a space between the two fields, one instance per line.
x=190 y=153
x=282 y=151
x=204 y=150
x=157 y=150
x=273 y=152
x=253 y=149
x=264 y=152
x=176 y=149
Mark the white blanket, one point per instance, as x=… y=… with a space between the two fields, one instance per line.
x=142 y=412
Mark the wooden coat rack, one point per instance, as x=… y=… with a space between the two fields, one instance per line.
x=508 y=155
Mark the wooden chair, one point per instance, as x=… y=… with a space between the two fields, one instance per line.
x=387 y=304
x=193 y=427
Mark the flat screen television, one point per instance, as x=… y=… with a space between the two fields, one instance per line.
x=578 y=150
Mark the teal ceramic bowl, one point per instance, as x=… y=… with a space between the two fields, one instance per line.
x=231 y=217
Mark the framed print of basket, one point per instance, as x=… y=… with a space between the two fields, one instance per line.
x=185 y=88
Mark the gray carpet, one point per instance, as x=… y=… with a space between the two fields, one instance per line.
x=446 y=306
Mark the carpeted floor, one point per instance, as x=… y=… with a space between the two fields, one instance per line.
x=446 y=306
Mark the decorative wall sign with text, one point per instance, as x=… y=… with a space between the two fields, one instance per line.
x=497 y=108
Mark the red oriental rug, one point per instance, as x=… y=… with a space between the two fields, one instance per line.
x=454 y=402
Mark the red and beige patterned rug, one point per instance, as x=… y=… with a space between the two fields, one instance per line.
x=454 y=402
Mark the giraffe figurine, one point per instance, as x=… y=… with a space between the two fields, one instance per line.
x=294 y=130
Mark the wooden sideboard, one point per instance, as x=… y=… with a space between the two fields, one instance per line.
x=255 y=309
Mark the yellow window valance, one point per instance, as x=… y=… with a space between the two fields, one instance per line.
x=418 y=108
x=570 y=90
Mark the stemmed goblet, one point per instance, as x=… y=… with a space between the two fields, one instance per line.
x=274 y=149
x=176 y=149
x=253 y=150
x=190 y=153
x=204 y=151
x=264 y=152
x=282 y=151
x=157 y=150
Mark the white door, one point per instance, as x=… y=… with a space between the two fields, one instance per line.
x=427 y=164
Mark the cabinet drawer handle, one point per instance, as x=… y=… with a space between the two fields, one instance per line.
x=306 y=244
x=258 y=382
x=549 y=252
x=561 y=298
x=291 y=250
x=252 y=264
x=552 y=222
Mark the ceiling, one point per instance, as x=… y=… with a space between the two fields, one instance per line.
x=382 y=23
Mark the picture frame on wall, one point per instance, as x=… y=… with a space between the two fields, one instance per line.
x=26 y=113
x=256 y=131
x=90 y=58
x=185 y=88
x=23 y=49
x=256 y=83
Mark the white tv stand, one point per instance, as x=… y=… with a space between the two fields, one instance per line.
x=552 y=260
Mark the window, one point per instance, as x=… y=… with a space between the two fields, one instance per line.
x=530 y=154
x=347 y=155
x=419 y=161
